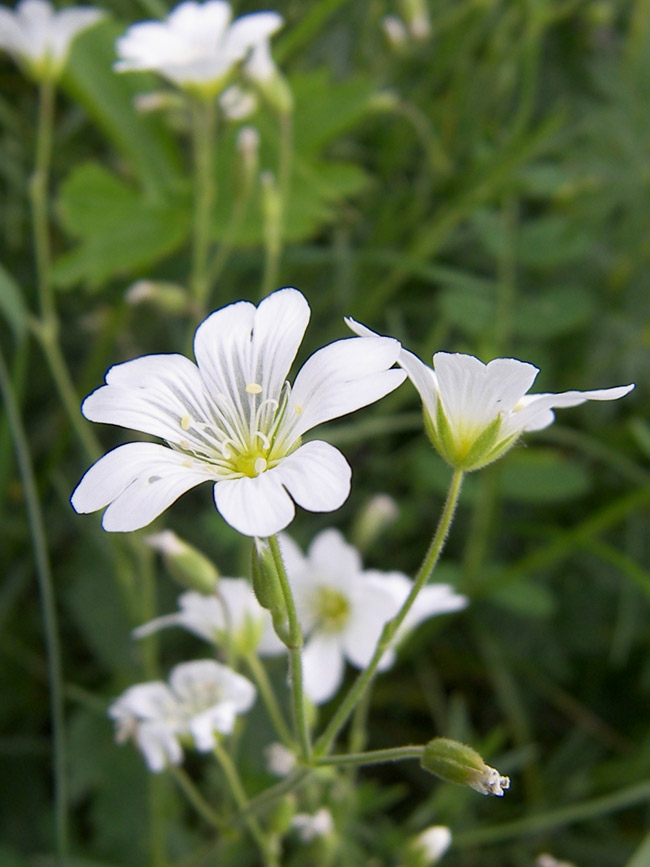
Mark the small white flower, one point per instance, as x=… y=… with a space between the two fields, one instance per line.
x=342 y=609
x=234 y=420
x=202 y=698
x=40 y=38
x=310 y=826
x=475 y=412
x=198 y=46
x=279 y=760
x=431 y=844
x=546 y=860
x=231 y=616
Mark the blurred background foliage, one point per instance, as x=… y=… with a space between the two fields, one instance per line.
x=482 y=187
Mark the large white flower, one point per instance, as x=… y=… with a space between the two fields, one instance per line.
x=202 y=698
x=231 y=616
x=198 y=46
x=40 y=38
x=475 y=412
x=234 y=420
x=342 y=608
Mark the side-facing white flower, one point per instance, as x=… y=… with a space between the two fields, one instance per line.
x=310 y=826
x=202 y=698
x=428 y=847
x=342 y=609
x=231 y=616
x=234 y=420
x=198 y=46
x=475 y=412
x=39 y=37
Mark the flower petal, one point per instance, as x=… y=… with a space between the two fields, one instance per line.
x=257 y=506
x=139 y=480
x=158 y=744
x=420 y=374
x=330 y=554
x=372 y=604
x=154 y=394
x=248 y=30
x=317 y=476
x=343 y=377
x=278 y=329
x=537 y=408
x=322 y=667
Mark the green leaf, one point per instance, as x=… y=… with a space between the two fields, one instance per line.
x=144 y=140
x=119 y=229
x=534 y=475
x=527 y=597
x=12 y=304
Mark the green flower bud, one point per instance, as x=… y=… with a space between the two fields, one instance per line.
x=459 y=763
x=189 y=567
x=169 y=298
x=266 y=585
x=281 y=815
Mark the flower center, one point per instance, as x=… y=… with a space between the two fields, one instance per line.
x=332 y=609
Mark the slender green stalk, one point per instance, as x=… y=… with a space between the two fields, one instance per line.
x=362 y=682
x=241 y=799
x=268 y=697
x=196 y=799
x=276 y=215
x=38 y=190
x=295 y=655
x=266 y=798
x=372 y=757
x=48 y=609
x=204 y=133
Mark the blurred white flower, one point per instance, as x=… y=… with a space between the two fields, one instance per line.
x=475 y=412
x=39 y=37
x=198 y=47
x=279 y=760
x=234 y=420
x=395 y=31
x=202 y=698
x=429 y=846
x=310 y=826
x=237 y=103
x=342 y=608
x=546 y=860
x=232 y=616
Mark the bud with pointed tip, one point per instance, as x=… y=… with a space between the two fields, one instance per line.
x=188 y=566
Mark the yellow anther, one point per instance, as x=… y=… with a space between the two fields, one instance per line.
x=185 y=422
x=253 y=388
x=260 y=465
x=298 y=409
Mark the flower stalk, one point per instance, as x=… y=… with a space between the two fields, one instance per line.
x=364 y=679
x=204 y=135
x=294 y=646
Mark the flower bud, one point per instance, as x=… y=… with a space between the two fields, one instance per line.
x=248 y=158
x=189 y=567
x=266 y=586
x=416 y=15
x=280 y=816
x=280 y=761
x=459 y=763
x=378 y=513
x=428 y=847
x=271 y=211
x=170 y=298
x=395 y=32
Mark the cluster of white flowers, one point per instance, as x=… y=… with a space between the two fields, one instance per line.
x=203 y=699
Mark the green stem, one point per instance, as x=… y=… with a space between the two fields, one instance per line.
x=389 y=631
x=241 y=799
x=196 y=799
x=264 y=800
x=204 y=133
x=295 y=655
x=268 y=697
x=373 y=757
x=38 y=190
x=50 y=626
x=276 y=216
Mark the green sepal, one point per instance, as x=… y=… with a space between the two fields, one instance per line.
x=268 y=590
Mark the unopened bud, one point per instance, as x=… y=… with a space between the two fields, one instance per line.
x=237 y=103
x=189 y=567
x=248 y=152
x=158 y=100
x=266 y=586
x=546 y=860
x=459 y=763
x=384 y=100
x=416 y=15
x=169 y=298
x=280 y=761
x=377 y=514
x=280 y=816
x=428 y=847
x=395 y=31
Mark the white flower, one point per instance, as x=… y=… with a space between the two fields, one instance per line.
x=343 y=609
x=202 y=698
x=279 y=760
x=231 y=616
x=197 y=47
x=234 y=420
x=310 y=826
x=40 y=38
x=475 y=412
x=430 y=845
